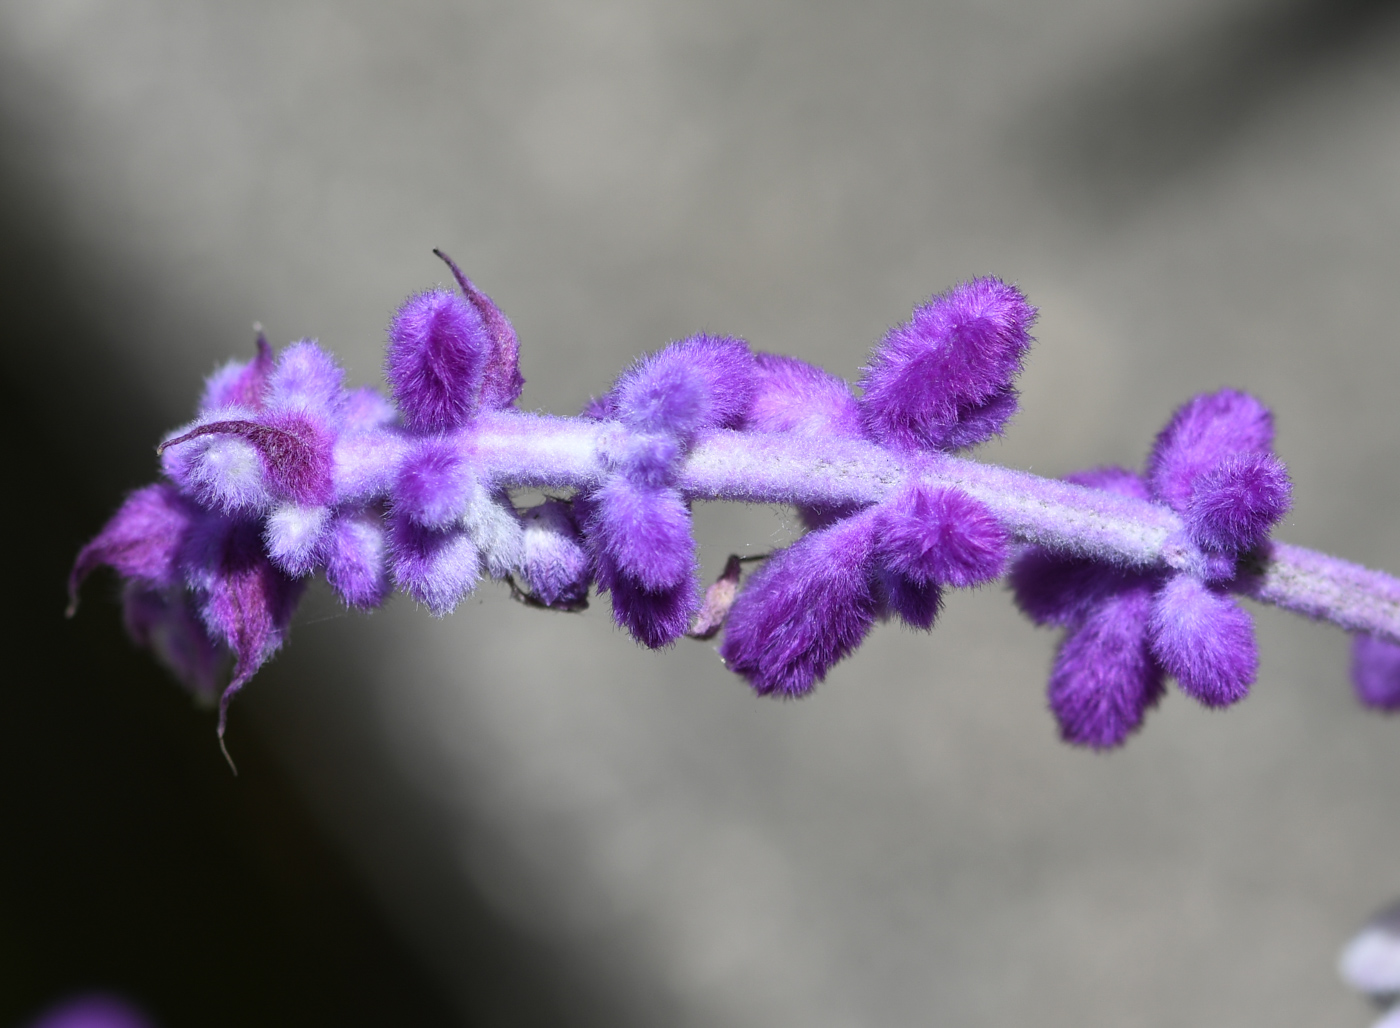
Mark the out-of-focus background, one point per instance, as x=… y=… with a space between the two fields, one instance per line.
x=509 y=817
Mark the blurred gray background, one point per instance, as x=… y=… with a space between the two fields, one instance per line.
x=556 y=827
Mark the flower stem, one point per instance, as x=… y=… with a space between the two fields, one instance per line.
x=515 y=449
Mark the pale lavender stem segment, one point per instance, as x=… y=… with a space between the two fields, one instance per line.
x=529 y=449
x=1326 y=588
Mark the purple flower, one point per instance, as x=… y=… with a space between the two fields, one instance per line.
x=1202 y=433
x=435 y=484
x=555 y=572
x=943 y=380
x=1234 y=505
x=644 y=555
x=240 y=383
x=703 y=382
x=355 y=550
x=436 y=567
x=1211 y=465
x=644 y=533
x=451 y=356
x=813 y=603
x=501 y=380
x=699 y=383
x=1105 y=677
x=436 y=361
x=809 y=606
x=1204 y=640
x=244 y=600
x=636 y=524
x=939 y=537
x=248 y=459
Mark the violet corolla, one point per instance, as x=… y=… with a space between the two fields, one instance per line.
x=286 y=473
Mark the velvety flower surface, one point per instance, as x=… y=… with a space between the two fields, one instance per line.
x=501 y=380
x=556 y=569
x=809 y=606
x=1212 y=465
x=637 y=525
x=695 y=384
x=437 y=567
x=1203 y=432
x=1205 y=640
x=436 y=362
x=1104 y=678
x=141 y=542
x=937 y=536
x=1235 y=504
x=943 y=380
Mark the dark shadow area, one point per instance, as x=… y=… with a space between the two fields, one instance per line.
x=1146 y=119
x=132 y=860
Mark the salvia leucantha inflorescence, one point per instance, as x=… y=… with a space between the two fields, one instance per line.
x=286 y=473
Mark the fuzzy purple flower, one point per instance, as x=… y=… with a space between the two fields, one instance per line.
x=1234 y=505
x=644 y=533
x=355 y=551
x=699 y=383
x=1105 y=679
x=244 y=600
x=806 y=609
x=940 y=537
x=436 y=361
x=637 y=524
x=241 y=383
x=943 y=381
x=1213 y=467
x=435 y=484
x=141 y=542
x=436 y=567
x=1204 y=640
x=555 y=571
x=501 y=380
x=1201 y=434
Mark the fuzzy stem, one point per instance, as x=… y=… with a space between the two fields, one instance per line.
x=514 y=449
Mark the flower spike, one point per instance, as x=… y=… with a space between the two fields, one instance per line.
x=286 y=473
